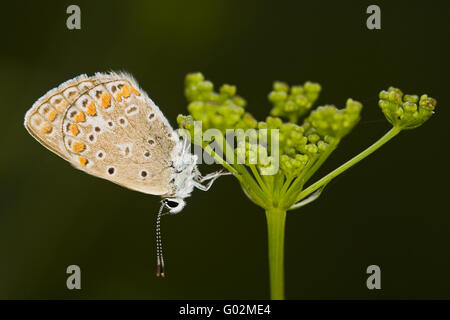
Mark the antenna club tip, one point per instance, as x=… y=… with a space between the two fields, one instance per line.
x=160 y=268
x=160 y=274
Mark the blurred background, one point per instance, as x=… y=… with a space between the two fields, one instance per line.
x=391 y=210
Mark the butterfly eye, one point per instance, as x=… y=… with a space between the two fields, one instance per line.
x=171 y=204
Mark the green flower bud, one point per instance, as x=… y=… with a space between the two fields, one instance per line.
x=228 y=90
x=239 y=101
x=312 y=90
x=411 y=98
x=205 y=86
x=193 y=78
x=280 y=86
x=274 y=122
x=186 y=123
x=277 y=96
x=322 y=146
x=313 y=138
x=297 y=90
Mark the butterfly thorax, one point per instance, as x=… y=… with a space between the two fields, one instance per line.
x=184 y=171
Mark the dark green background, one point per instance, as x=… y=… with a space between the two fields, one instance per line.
x=391 y=210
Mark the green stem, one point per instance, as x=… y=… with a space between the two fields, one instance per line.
x=388 y=136
x=258 y=178
x=286 y=186
x=276 y=219
x=252 y=186
x=310 y=169
x=221 y=161
x=321 y=160
x=253 y=189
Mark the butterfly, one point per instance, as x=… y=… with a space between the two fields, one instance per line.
x=107 y=126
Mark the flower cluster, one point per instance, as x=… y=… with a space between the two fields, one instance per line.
x=274 y=175
x=274 y=159
x=406 y=111
x=300 y=148
x=222 y=110
x=292 y=103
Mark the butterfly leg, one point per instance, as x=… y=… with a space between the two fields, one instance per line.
x=211 y=177
x=206 y=187
x=186 y=142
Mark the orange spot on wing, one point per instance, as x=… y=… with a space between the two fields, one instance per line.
x=80 y=117
x=37 y=121
x=135 y=91
x=74 y=129
x=52 y=115
x=78 y=147
x=91 y=111
x=119 y=97
x=106 y=100
x=126 y=91
x=83 y=161
x=47 y=128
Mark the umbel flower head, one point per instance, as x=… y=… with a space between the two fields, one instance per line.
x=406 y=111
x=277 y=156
x=301 y=147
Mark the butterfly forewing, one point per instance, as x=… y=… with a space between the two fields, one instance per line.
x=108 y=127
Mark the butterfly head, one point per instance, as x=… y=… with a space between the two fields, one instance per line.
x=175 y=205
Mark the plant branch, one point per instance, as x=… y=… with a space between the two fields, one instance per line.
x=388 y=136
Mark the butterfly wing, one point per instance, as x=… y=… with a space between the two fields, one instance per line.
x=107 y=126
x=44 y=119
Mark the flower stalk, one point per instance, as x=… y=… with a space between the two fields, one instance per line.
x=276 y=219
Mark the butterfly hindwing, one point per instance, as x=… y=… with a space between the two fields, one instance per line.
x=44 y=119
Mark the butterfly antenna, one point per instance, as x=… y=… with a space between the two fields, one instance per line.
x=160 y=272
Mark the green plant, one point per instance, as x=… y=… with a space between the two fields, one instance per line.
x=302 y=149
